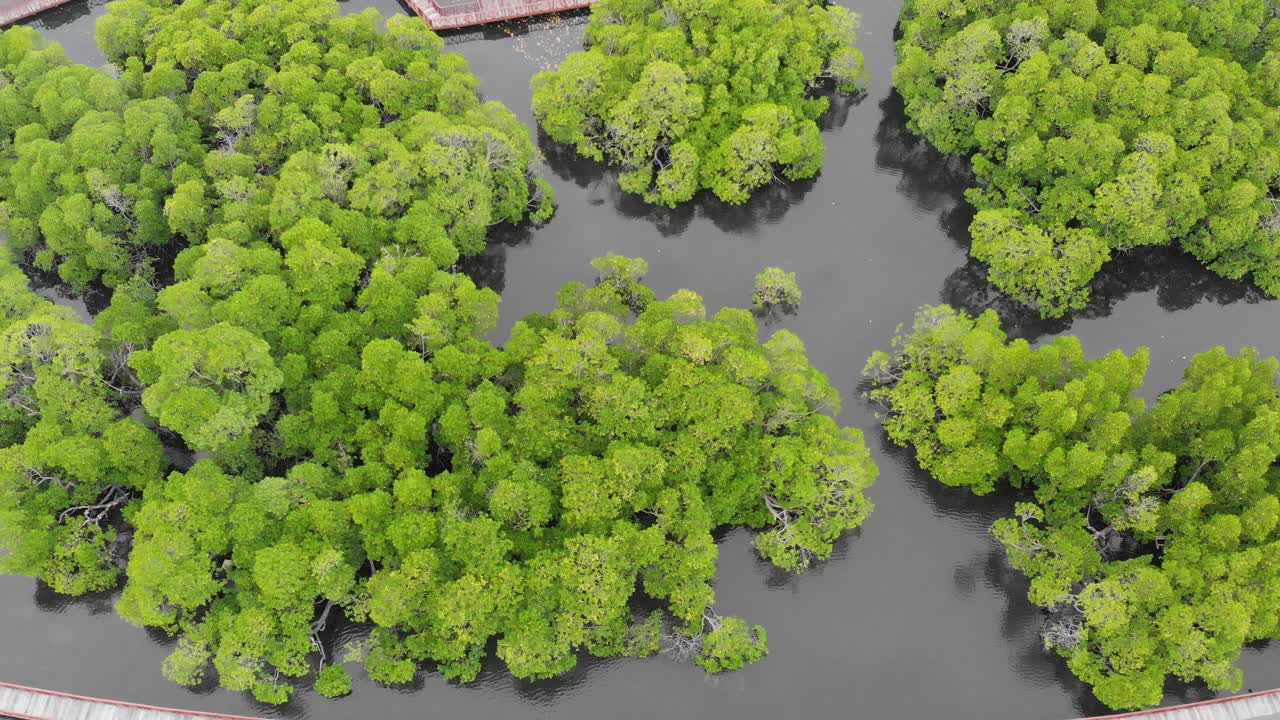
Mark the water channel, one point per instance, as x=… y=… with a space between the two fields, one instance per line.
x=917 y=615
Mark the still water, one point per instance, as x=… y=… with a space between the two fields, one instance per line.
x=917 y=615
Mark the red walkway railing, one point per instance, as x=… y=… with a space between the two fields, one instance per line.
x=107 y=706
x=1205 y=709
x=11 y=12
x=446 y=16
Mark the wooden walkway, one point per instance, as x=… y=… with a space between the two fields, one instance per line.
x=450 y=14
x=24 y=703
x=1252 y=706
x=11 y=11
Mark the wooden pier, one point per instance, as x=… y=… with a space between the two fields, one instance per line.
x=12 y=11
x=1251 y=706
x=438 y=14
x=451 y=14
x=24 y=703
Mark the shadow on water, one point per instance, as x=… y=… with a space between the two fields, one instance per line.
x=86 y=303
x=776 y=578
x=767 y=205
x=64 y=15
x=546 y=693
x=343 y=635
x=96 y=603
x=1020 y=626
x=932 y=181
x=489 y=268
x=935 y=183
x=294 y=709
x=1021 y=622
x=1178 y=279
x=840 y=106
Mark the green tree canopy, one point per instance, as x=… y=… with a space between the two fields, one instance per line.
x=411 y=474
x=1097 y=127
x=361 y=447
x=685 y=95
x=68 y=456
x=1145 y=533
x=236 y=120
x=380 y=134
x=86 y=169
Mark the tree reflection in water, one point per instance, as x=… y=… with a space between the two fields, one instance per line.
x=935 y=183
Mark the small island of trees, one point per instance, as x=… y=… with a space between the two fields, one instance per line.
x=1148 y=534
x=686 y=95
x=275 y=198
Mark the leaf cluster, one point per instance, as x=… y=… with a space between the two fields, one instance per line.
x=359 y=448
x=237 y=119
x=686 y=95
x=1098 y=127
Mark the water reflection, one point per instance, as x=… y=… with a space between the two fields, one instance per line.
x=936 y=183
x=85 y=303
x=489 y=268
x=840 y=105
x=767 y=205
x=1179 y=280
x=71 y=25
x=64 y=15
x=96 y=603
x=925 y=619
x=773 y=316
x=547 y=693
x=1020 y=622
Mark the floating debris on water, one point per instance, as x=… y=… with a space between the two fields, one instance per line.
x=545 y=40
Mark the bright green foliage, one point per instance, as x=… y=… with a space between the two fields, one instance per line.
x=373 y=455
x=776 y=287
x=590 y=419
x=211 y=386
x=730 y=644
x=333 y=681
x=379 y=134
x=1098 y=127
x=68 y=460
x=1149 y=537
x=87 y=169
x=978 y=409
x=303 y=115
x=520 y=493
x=685 y=95
x=362 y=450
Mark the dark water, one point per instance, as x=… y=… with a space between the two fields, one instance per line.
x=917 y=616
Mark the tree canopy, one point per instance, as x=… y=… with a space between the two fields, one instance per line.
x=236 y=120
x=775 y=287
x=1097 y=127
x=1146 y=533
x=69 y=456
x=360 y=446
x=687 y=95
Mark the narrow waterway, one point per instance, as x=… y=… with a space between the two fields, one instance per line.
x=917 y=616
